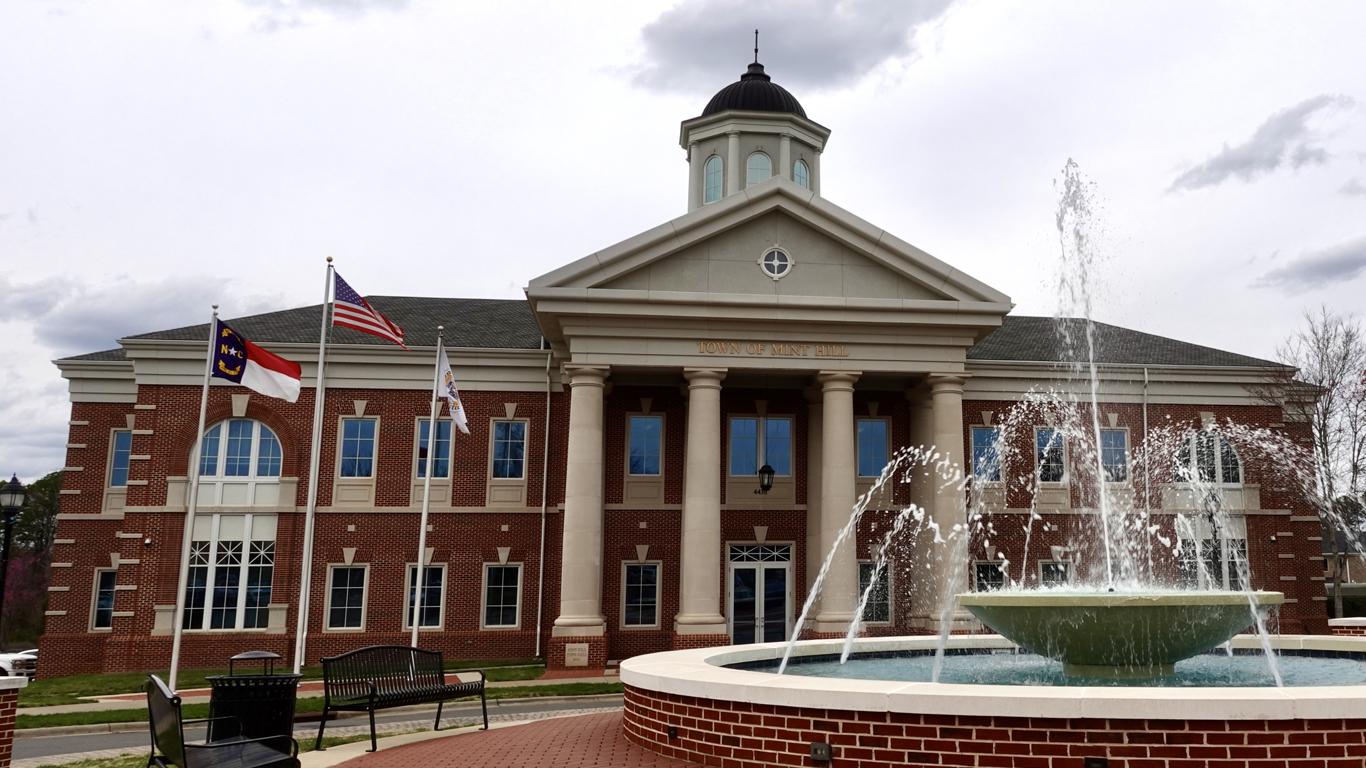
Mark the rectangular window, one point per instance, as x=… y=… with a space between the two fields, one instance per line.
x=208 y=452
x=641 y=586
x=118 y=462
x=990 y=576
x=227 y=575
x=644 y=438
x=872 y=447
x=232 y=571
x=1055 y=574
x=879 y=607
x=268 y=454
x=1213 y=567
x=346 y=597
x=1114 y=455
x=502 y=593
x=429 y=600
x=986 y=454
x=105 y=580
x=358 y=448
x=441 y=460
x=1052 y=468
x=509 y=449
x=748 y=452
x=237 y=463
x=260 y=575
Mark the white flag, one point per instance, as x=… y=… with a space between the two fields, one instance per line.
x=452 y=395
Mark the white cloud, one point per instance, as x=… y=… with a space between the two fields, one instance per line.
x=700 y=45
x=1316 y=269
x=274 y=15
x=71 y=317
x=1285 y=138
x=1353 y=188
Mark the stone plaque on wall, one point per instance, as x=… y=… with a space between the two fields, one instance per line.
x=576 y=654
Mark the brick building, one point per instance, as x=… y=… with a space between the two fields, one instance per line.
x=607 y=501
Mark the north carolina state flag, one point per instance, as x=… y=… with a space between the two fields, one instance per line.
x=241 y=362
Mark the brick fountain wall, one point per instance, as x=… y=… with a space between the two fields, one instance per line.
x=739 y=735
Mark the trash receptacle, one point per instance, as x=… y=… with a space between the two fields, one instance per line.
x=263 y=704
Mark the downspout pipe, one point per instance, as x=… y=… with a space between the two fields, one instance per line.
x=545 y=488
x=1147 y=476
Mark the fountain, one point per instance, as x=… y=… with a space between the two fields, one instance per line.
x=1164 y=640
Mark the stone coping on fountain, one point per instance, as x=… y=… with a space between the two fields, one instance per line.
x=703 y=673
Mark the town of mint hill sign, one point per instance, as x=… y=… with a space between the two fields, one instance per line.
x=771 y=349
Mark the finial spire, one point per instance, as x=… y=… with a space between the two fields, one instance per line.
x=756 y=46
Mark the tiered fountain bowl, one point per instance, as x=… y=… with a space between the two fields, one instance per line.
x=1118 y=634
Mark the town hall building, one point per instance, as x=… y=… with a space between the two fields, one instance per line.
x=609 y=499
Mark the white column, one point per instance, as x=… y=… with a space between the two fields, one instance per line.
x=950 y=503
x=815 y=555
x=732 y=162
x=785 y=156
x=924 y=587
x=581 y=566
x=839 y=593
x=816 y=172
x=696 y=177
x=700 y=581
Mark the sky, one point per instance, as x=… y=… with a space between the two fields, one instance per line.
x=157 y=156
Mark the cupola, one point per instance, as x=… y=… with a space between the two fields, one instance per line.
x=750 y=131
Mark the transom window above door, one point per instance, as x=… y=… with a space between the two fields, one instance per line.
x=759 y=440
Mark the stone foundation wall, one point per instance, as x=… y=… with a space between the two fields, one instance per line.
x=725 y=733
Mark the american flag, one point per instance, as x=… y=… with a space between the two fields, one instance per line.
x=350 y=310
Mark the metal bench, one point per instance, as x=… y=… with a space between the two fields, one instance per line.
x=386 y=676
x=168 y=739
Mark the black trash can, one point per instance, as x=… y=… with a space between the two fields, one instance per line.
x=263 y=704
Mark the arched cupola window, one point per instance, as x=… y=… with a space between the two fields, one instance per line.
x=1204 y=457
x=713 y=173
x=758 y=169
x=801 y=174
x=239 y=464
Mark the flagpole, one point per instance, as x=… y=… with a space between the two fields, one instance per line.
x=306 y=567
x=188 y=537
x=427 y=492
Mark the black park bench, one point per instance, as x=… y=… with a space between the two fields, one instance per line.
x=169 y=747
x=386 y=676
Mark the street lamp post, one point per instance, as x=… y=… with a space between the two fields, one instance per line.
x=11 y=501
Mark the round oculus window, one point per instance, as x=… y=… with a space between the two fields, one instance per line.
x=775 y=263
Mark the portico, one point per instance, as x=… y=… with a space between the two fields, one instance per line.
x=851 y=316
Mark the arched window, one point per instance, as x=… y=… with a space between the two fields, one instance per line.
x=1207 y=458
x=801 y=175
x=758 y=169
x=713 y=180
x=239 y=464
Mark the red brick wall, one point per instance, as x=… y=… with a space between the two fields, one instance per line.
x=8 y=701
x=467 y=540
x=738 y=734
x=1350 y=631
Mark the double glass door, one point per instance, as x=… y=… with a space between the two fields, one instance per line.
x=760 y=588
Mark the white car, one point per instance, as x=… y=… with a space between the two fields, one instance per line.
x=22 y=663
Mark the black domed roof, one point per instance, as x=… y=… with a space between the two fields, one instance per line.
x=755 y=92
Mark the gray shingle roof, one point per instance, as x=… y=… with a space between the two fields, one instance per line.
x=106 y=356
x=1041 y=339
x=509 y=324
x=482 y=323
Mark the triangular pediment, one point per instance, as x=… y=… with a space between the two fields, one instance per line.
x=715 y=250
x=728 y=262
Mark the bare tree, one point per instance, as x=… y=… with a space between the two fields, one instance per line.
x=1322 y=384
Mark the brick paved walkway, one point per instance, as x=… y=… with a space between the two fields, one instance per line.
x=586 y=741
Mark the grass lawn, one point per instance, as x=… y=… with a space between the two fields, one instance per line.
x=69 y=689
x=310 y=704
